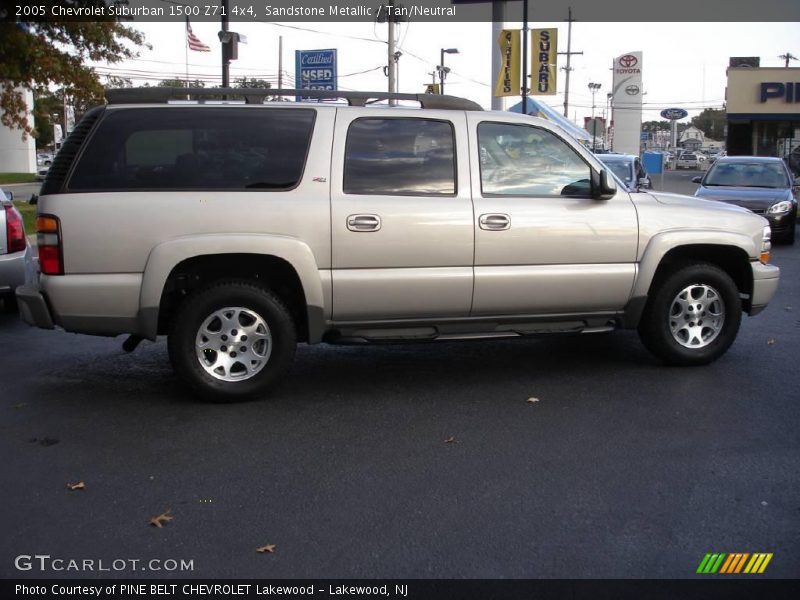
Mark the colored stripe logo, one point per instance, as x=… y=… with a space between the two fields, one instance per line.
x=733 y=563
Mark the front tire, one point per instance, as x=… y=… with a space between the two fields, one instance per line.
x=692 y=315
x=232 y=340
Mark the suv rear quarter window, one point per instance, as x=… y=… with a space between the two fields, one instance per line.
x=195 y=148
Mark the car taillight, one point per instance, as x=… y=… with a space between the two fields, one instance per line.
x=48 y=238
x=15 y=231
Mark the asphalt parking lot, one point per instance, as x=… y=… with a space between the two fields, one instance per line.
x=541 y=458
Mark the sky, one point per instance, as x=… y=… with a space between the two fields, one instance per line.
x=683 y=63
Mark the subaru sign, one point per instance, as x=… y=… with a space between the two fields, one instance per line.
x=315 y=69
x=673 y=114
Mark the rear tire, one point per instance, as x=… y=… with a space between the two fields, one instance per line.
x=232 y=341
x=9 y=303
x=692 y=315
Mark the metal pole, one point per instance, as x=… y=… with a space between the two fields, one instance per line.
x=392 y=65
x=594 y=124
x=441 y=71
x=280 y=62
x=569 y=56
x=498 y=17
x=524 y=57
x=225 y=61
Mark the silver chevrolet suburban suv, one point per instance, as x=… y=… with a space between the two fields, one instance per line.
x=240 y=228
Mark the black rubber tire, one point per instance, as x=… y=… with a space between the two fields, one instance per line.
x=198 y=306
x=788 y=238
x=9 y=303
x=654 y=328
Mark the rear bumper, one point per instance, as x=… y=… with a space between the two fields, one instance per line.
x=33 y=308
x=765 y=284
x=15 y=270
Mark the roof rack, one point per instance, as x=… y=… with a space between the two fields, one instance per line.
x=257 y=96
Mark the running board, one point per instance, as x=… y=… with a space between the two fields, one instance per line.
x=447 y=333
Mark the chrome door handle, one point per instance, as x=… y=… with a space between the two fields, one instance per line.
x=494 y=222
x=363 y=222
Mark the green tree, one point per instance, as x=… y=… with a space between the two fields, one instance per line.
x=195 y=83
x=711 y=122
x=54 y=53
x=252 y=83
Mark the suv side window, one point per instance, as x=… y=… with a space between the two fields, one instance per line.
x=522 y=160
x=195 y=148
x=400 y=156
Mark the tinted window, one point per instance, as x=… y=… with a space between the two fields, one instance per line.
x=196 y=148
x=621 y=169
x=400 y=157
x=521 y=160
x=771 y=175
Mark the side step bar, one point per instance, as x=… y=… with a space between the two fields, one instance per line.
x=446 y=333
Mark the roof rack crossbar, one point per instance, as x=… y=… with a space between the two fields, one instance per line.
x=257 y=96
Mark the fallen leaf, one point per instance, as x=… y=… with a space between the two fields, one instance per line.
x=770 y=342
x=451 y=440
x=532 y=400
x=76 y=486
x=161 y=519
x=268 y=548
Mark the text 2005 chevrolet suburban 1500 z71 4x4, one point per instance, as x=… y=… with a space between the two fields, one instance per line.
x=241 y=229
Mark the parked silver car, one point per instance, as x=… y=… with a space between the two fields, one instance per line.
x=16 y=258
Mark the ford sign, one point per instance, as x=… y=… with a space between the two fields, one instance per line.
x=673 y=114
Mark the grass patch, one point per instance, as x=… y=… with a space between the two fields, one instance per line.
x=28 y=212
x=17 y=178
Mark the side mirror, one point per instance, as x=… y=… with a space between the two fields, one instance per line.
x=10 y=194
x=34 y=199
x=697 y=179
x=603 y=188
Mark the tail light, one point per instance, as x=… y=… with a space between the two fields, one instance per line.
x=15 y=231
x=48 y=238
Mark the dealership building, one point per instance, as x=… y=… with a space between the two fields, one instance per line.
x=763 y=111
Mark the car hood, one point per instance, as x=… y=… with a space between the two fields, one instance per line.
x=694 y=202
x=747 y=197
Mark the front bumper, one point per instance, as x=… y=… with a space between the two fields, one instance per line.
x=765 y=284
x=33 y=307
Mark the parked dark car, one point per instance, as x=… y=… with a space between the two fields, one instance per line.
x=761 y=184
x=629 y=170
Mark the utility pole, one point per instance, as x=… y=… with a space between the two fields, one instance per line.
x=568 y=68
x=787 y=57
x=390 y=21
x=280 y=62
x=225 y=59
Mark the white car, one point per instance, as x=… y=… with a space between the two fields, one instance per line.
x=687 y=160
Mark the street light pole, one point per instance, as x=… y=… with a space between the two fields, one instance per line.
x=594 y=87
x=443 y=71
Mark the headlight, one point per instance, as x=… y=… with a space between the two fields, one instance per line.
x=784 y=206
x=765 y=245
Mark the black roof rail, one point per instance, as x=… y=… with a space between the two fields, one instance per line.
x=257 y=96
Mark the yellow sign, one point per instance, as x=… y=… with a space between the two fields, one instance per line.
x=432 y=88
x=508 y=81
x=544 y=61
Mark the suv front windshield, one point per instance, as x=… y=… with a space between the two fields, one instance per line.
x=767 y=175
